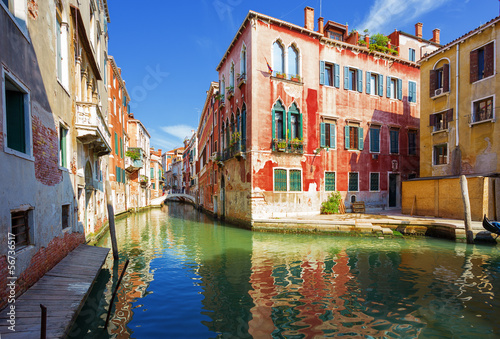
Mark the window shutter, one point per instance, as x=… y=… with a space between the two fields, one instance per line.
x=333 y=139
x=322 y=134
x=152 y=174
x=388 y=86
x=360 y=138
x=432 y=82
x=474 y=66
x=300 y=126
x=360 y=81
x=321 y=72
x=446 y=77
x=121 y=147
x=336 y=70
x=432 y=120
x=368 y=78
x=273 y=123
x=346 y=137
x=63 y=147
x=380 y=85
x=289 y=125
x=59 y=57
x=412 y=86
x=489 y=57
x=346 y=77
x=449 y=115
x=400 y=89
x=116 y=143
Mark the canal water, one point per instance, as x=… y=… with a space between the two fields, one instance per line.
x=192 y=277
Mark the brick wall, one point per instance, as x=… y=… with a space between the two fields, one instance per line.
x=42 y=262
x=46 y=153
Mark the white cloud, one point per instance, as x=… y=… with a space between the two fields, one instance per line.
x=386 y=15
x=179 y=131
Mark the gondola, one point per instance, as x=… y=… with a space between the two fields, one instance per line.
x=492 y=226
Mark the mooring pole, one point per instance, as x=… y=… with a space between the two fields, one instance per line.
x=467 y=217
x=43 y=330
x=114 y=294
x=111 y=217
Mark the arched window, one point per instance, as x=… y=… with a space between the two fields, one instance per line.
x=222 y=143
x=278 y=117
x=231 y=77
x=243 y=125
x=294 y=123
x=227 y=134
x=243 y=62
x=238 y=120
x=293 y=60
x=278 y=58
x=222 y=88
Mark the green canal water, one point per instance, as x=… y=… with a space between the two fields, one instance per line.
x=192 y=277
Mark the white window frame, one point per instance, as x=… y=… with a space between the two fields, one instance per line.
x=494 y=60
x=447 y=154
x=356 y=69
x=324 y=180
x=348 y=181
x=27 y=112
x=374 y=89
x=19 y=16
x=370 y=182
x=288 y=179
x=66 y=127
x=472 y=123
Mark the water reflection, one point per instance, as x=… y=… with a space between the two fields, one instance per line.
x=191 y=277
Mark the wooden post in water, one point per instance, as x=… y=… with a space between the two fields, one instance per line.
x=467 y=216
x=43 y=324
x=111 y=216
x=114 y=294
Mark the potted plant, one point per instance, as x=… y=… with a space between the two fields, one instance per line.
x=295 y=78
x=296 y=145
x=133 y=154
x=281 y=144
x=280 y=75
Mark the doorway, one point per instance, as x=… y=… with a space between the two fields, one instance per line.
x=223 y=197
x=393 y=190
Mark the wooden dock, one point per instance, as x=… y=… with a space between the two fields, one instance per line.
x=63 y=290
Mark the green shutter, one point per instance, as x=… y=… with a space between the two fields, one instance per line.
x=346 y=137
x=121 y=148
x=368 y=84
x=295 y=180
x=360 y=138
x=321 y=72
x=380 y=85
x=346 y=77
x=329 y=181
x=152 y=173
x=62 y=146
x=333 y=139
x=374 y=140
x=400 y=89
x=273 y=123
x=388 y=86
x=336 y=69
x=14 y=102
x=117 y=174
x=289 y=125
x=300 y=127
x=322 y=142
x=116 y=143
x=280 y=180
x=360 y=81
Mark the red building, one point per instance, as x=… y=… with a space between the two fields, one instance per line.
x=304 y=113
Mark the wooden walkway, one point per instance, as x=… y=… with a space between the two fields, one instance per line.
x=63 y=290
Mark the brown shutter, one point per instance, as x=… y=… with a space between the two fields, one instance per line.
x=432 y=120
x=474 y=68
x=489 y=56
x=446 y=77
x=449 y=115
x=432 y=82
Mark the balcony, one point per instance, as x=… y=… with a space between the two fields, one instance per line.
x=288 y=146
x=91 y=128
x=134 y=159
x=295 y=78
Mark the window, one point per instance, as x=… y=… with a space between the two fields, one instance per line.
x=482 y=62
x=20 y=222
x=412 y=91
x=329 y=181
x=439 y=121
x=280 y=180
x=65 y=216
x=374 y=84
x=293 y=61
x=231 y=77
x=394 y=88
x=375 y=139
x=411 y=54
x=353 y=137
x=483 y=110
x=335 y=36
x=294 y=123
x=353 y=181
x=121 y=148
x=63 y=148
x=278 y=58
x=295 y=180
x=243 y=126
x=412 y=142
x=439 y=80
x=441 y=154
x=327 y=132
x=277 y=121
x=374 y=182
x=353 y=79
x=243 y=62
x=118 y=174
x=58 y=49
x=394 y=137
x=116 y=143
x=17 y=115
x=152 y=173
x=329 y=74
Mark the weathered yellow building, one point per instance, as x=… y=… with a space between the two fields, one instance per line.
x=459 y=130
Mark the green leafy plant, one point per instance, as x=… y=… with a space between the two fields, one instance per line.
x=281 y=144
x=133 y=154
x=144 y=178
x=332 y=205
x=280 y=75
x=379 y=40
x=361 y=42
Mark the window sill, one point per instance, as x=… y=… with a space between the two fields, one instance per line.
x=440 y=95
x=64 y=169
x=299 y=83
x=330 y=86
x=24 y=249
x=440 y=165
x=18 y=154
x=440 y=131
x=63 y=87
x=483 y=79
x=481 y=122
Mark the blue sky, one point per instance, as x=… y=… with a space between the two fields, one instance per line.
x=168 y=50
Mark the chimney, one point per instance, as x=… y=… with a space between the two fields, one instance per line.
x=321 y=26
x=418 y=29
x=435 y=35
x=309 y=18
x=367 y=40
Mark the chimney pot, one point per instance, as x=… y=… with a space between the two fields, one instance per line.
x=436 y=35
x=418 y=29
x=309 y=18
x=321 y=25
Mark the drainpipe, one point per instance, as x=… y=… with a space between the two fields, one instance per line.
x=456 y=99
